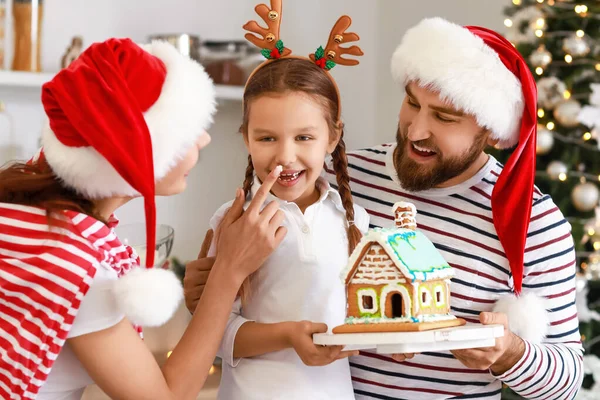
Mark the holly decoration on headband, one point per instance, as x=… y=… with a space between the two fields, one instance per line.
x=321 y=61
x=275 y=53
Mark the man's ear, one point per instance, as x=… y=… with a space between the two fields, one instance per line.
x=335 y=137
x=492 y=141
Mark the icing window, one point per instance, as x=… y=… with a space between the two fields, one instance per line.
x=367 y=301
x=439 y=296
x=425 y=297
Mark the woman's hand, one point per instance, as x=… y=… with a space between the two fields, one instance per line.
x=300 y=337
x=246 y=238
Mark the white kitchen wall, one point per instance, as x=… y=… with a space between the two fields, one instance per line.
x=370 y=100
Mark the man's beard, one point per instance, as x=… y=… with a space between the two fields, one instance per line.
x=416 y=177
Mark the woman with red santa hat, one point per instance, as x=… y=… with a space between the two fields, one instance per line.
x=123 y=121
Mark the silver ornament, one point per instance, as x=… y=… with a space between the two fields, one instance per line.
x=524 y=25
x=540 y=57
x=585 y=196
x=551 y=92
x=545 y=140
x=567 y=113
x=576 y=46
x=555 y=168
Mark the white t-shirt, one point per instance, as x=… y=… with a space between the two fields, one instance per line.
x=299 y=281
x=68 y=378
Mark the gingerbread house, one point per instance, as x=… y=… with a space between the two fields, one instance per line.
x=397 y=280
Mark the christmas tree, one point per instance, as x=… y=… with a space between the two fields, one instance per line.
x=560 y=40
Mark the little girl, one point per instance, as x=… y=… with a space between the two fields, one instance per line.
x=291 y=121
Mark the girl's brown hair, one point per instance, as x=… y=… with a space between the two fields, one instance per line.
x=35 y=184
x=302 y=75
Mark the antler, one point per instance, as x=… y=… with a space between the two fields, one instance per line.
x=333 y=51
x=270 y=36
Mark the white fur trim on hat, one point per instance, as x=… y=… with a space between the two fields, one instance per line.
x=448 y=58
x=148 y=297
x=182 y=112
x=527 y=314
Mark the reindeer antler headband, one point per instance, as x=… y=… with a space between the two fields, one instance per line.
x=272 y=47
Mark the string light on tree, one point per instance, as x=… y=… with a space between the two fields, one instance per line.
x=541 y=113
x=550 y=125
x=516 y=2
x=587 y=136
x=592 y=228
x=539 y=70
x=508 y=22
x=581 y=9
x=540 y=23
x=568 y=58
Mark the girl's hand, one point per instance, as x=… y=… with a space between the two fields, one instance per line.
x=246 y=238
x=402 y=356
x=299 y=335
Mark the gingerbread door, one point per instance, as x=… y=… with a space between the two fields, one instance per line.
x=397 y=303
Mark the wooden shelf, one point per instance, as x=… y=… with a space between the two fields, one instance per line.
x=34 y=81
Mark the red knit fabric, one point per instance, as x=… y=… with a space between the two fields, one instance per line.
x=99 y=101
x=513 y=192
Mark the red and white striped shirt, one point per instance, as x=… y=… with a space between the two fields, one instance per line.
x=458 y=220
x=45 y=271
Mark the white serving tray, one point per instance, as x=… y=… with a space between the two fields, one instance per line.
x=468 y=336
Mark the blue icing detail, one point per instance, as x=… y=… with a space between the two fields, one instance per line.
x=414 y=319
x=415 y=251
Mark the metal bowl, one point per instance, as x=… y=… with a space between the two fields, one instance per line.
x=186 y=44
x=134 y=235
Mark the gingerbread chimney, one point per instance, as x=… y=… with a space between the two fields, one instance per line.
x=405 y=215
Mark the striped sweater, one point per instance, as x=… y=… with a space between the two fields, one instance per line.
x=458 y=220
x=44 y=274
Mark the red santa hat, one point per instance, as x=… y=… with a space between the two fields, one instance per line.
x=119 y=118
x=481 y=73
